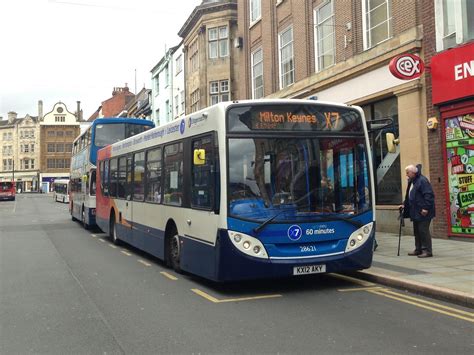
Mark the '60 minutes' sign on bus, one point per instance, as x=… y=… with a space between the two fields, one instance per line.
x=406 y=66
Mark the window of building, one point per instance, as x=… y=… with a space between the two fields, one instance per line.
x=167 y=76
x=60 y=164
x=51 y=163
x=179 y=64
x=173 y=169
x=7 y=164
x=219 y=91
x=69 y=133
x=377 y=22
x=32 y=163
x=195 y=97
x=51 y=148
x=182 y=101
x=324 y=36
x=156 y=79
x=60 y=134
x=193 y=56
x=454 y=22
x=257 y=74
x=255 y=10
x=388 y=177
x=51 y=133
x=139 y=176
x=60 y=118
x=176 y=105
x=287 y=64
x=60 y=148
x=153 y=175
x=167 y=110
x=68 y=148
x=218 y=42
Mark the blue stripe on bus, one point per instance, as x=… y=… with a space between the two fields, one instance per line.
x=223 y=262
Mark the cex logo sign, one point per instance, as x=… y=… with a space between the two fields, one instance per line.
x=406 y=66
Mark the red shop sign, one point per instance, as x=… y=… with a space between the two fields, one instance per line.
x=406 y=66
x=453 y=74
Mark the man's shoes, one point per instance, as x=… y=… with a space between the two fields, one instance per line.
x=425 y=255
x=415 y=253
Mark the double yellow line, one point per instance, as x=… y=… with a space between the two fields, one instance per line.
x=418 y=302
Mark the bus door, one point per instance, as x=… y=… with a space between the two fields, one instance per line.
x=138 y=207
x=124 y=195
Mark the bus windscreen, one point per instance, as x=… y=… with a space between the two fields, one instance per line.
x=110 y=133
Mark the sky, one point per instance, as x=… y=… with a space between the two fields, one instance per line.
x=79 y=50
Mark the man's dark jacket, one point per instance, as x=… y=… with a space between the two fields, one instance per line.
x=420 y=197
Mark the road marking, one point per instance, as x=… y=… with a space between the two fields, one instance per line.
x=418 y=304
x=144 y=262
x=101 y=240
x=171 y=277
x=125 y=252
x=215 y=300
x=112 y=246
x=93 y=236
x=361 y=289
x=354 y=280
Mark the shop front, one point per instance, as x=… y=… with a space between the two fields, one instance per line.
x=453 y=93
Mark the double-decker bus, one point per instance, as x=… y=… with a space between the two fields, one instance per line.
x=7 y=190
x=61 y=190
x=245 y=190
x=102 y=132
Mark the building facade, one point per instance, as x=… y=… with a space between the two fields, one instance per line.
x=211 y=59
x=163 y=89
x=339 y=51
x=20 y=151
x=449 y=54
x=58 y=129
x=115 y=105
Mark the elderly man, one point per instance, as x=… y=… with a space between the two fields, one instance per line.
x=419 y=206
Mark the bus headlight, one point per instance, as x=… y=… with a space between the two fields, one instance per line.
x=248 y=245
x=359 y=237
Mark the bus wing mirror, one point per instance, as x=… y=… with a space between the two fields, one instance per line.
x=199 y=157
x=392 y=142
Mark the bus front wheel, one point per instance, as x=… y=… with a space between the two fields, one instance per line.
x=174 y=251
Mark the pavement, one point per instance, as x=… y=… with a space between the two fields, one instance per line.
x=448 y=275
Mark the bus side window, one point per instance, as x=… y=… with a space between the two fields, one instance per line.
x=113 y=178
x=92 y=182
x=153 y=175
x=202 y=174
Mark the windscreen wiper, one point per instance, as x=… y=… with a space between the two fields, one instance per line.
x=264 y=223
x=345 y=219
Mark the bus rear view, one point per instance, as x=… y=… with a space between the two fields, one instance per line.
x=7 y=191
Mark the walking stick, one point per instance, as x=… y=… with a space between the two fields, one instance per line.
x=402 y=224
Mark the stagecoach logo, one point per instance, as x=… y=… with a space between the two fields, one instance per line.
x=295 y=232
x=406 y=66
x=195 y=120
x=182 y=126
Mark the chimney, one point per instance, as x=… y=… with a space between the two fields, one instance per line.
x=40 y=110
x=78 y=112
x=11 y=116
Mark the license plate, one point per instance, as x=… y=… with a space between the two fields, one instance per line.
x=309 y=269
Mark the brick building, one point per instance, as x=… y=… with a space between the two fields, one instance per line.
x=113 y=106
x=340 y=51
x=58 y=129
x=449 y=54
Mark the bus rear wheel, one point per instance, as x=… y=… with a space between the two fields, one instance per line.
x=174 y=252
x=113 y=231
x=84 y=223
